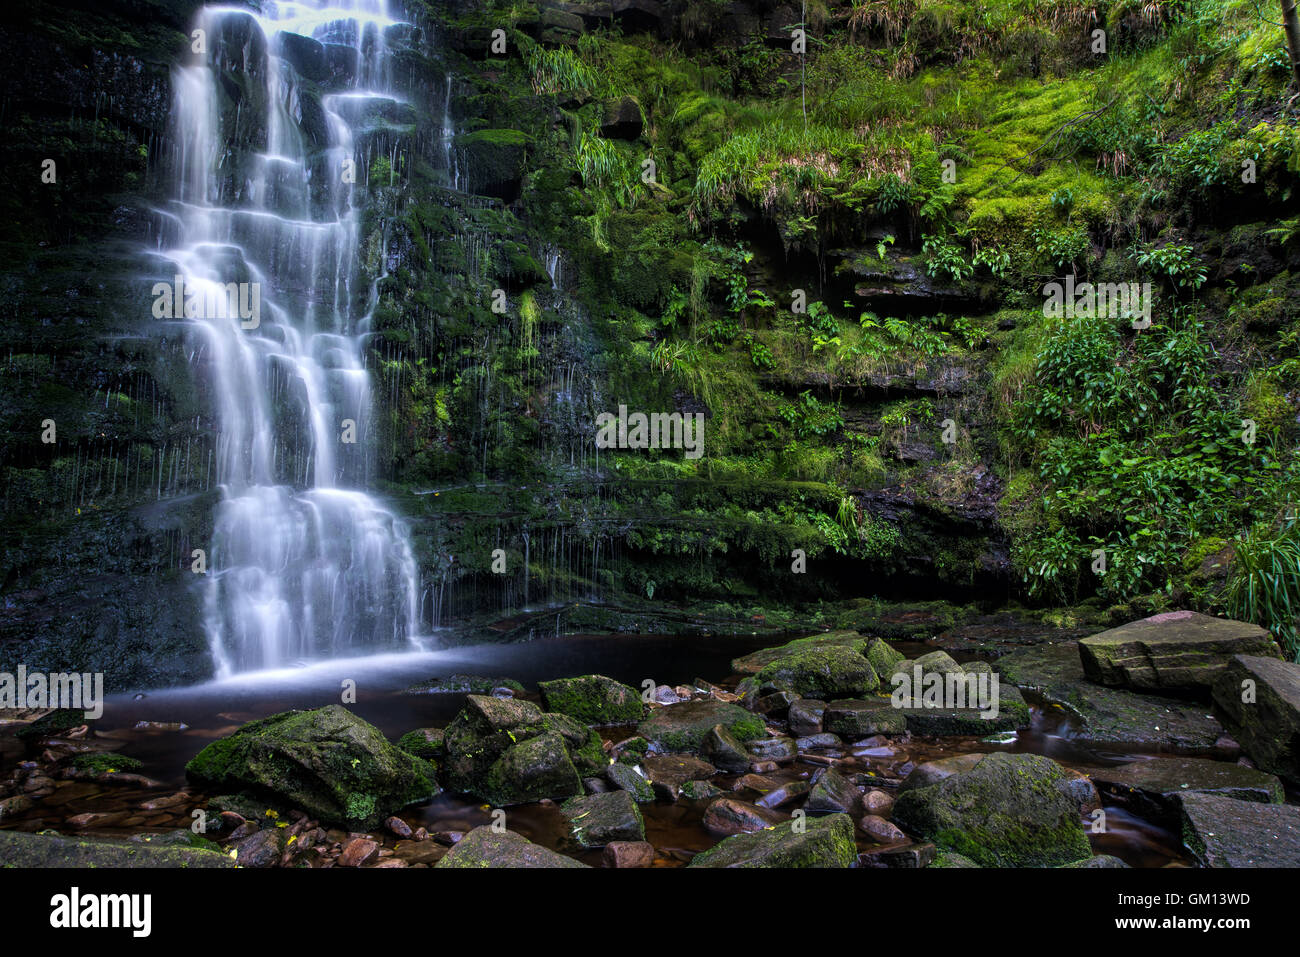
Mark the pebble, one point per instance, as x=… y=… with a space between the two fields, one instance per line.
x=357 y=852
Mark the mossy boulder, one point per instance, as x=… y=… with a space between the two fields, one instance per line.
x=756 y=661
x=804 y=842
x=599 y=819
x=835 y=671
x=629 y=779
x=539 y=767
x=855 y=718
x=20 y=849
x=484 y=729
x=594 y=699
x=1009 y=810
x=683 y=726
x=326 y=762
x=883 y=658
x=484 y=848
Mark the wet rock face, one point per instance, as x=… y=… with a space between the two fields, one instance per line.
x=1009 y=810
x=1178 y=651
x=328 y=762
x=1260 y=701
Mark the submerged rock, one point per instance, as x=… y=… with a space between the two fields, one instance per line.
x=1268 y=723
x=1223 y=832
x=807 y=842
x=483 y=847
x=1009 y=810
x=593 y=699
x=327 y=762
x=1174 y=651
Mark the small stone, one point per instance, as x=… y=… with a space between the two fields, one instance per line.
x=447 y=838
x=358 y=852
x=814 y=742
x=877 y=802
x=628 y=854
x=805 y=716
x=729 y=816
x=399 y=827
x=881 y=831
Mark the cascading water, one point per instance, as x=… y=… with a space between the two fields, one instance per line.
x=303 y=563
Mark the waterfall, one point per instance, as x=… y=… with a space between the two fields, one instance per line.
x=263 y=232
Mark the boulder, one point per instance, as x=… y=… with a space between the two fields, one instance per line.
x=1110 y=718
x=776 y=748
x=530 y=770
x=856 y=718
x=593 y=699
x=883 y=658
x=422 y=742
x=1224 y=832
x=1153 y=788
x=753 y=663
x=669 y=772
x=1178 y=651
x=489 y=751
x=483 y=847
x=1268 y=726
x=815 y=842
x=805 y=716
x=326 y=762
x=20 y=849
x=834 y=671
x=724 y=751
x=598 y=819
x=630 y=779
x=683 y=726
x=832 y=794
x=1009 y=810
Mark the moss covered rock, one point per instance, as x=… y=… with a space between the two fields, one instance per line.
x=683 y=726
x=484 y=847
x=599 y=819
x=20 y=849
x=594 y=699
x=818 y=842
x=422 y=742
x=1009 y=810
x=836 y=671
x=539 y=767
x=328 y=762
